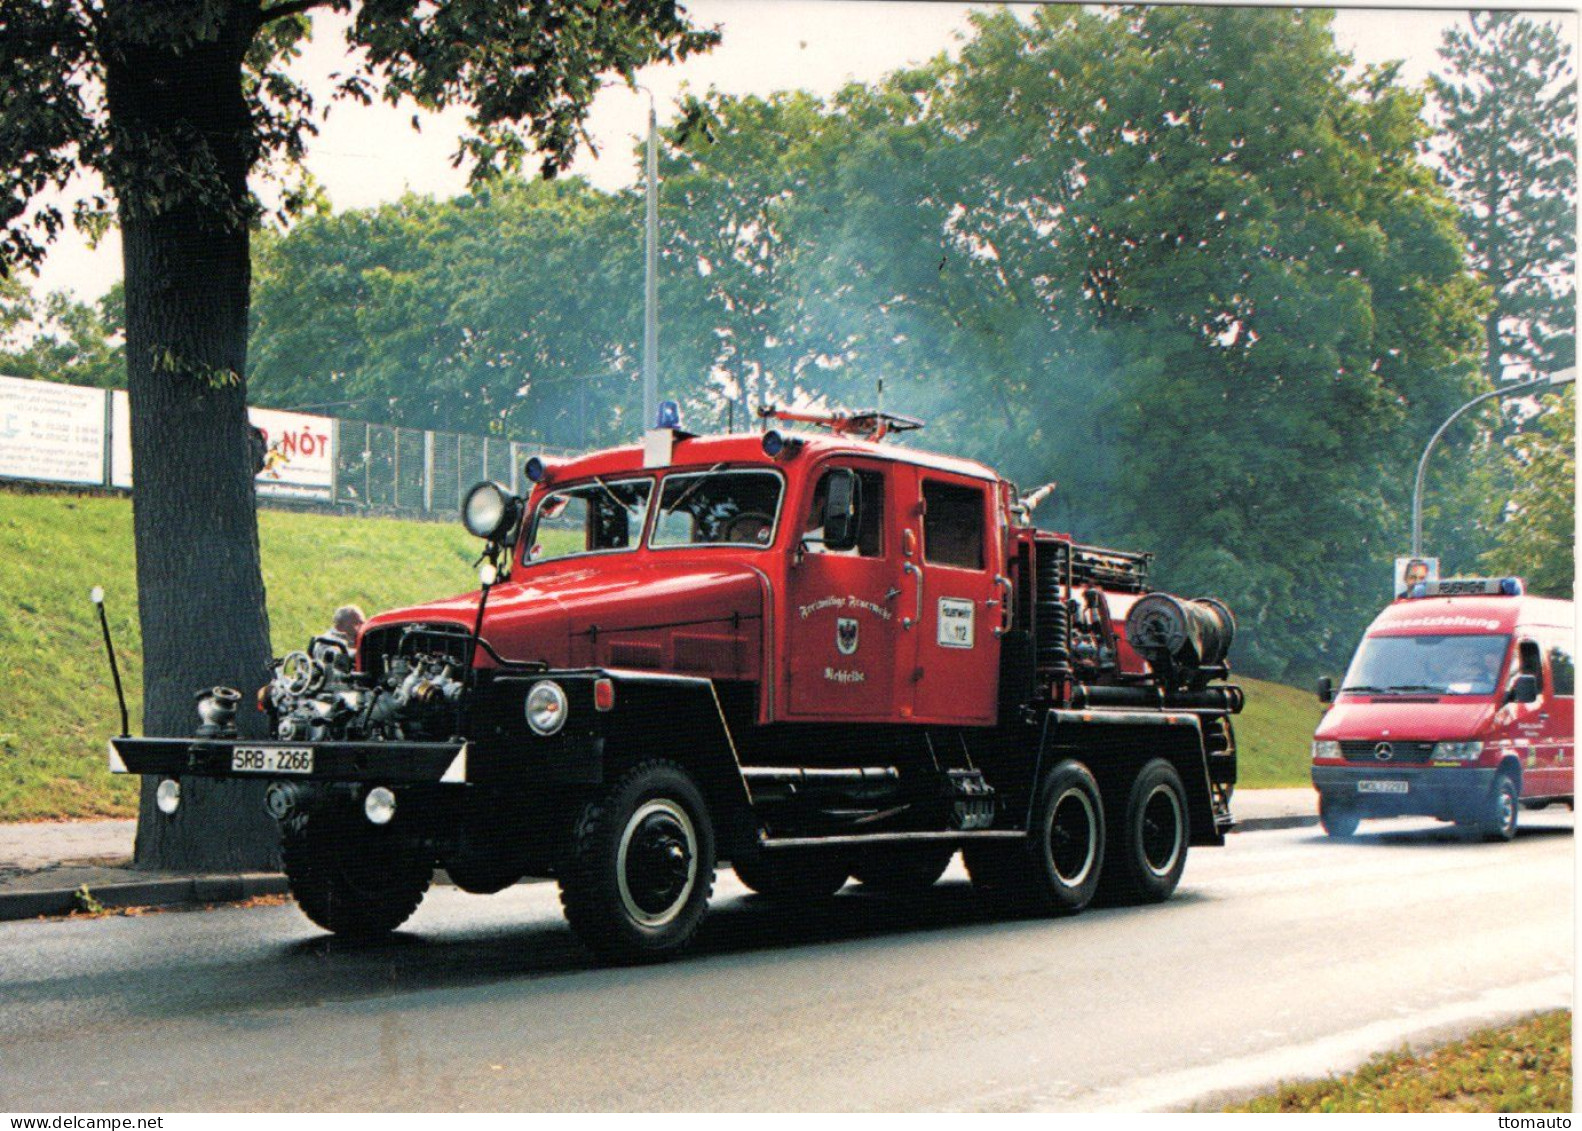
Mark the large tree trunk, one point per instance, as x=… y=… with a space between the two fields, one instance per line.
x=200 y=589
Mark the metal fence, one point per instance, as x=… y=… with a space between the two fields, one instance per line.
x=412 y=471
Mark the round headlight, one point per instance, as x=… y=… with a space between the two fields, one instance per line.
x=168 y=796
x=488 y=511
x=546 y=707
x=379 y=806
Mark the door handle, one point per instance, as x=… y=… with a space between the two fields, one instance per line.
x=913 y=622
x=1005 y=606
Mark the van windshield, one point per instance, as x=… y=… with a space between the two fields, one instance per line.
x=590 y=518
x=1442 y=665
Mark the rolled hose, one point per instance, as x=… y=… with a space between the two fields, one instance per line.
x=1188 y=633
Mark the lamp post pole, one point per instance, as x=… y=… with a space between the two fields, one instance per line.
x=1552 y=380
x=651 y=275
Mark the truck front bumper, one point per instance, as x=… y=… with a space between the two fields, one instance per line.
x=1450 y=792
x=383 y=763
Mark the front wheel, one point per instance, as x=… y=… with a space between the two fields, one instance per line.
x=1500 y=812
x=353 y=878
x=1148 y=850
x=1339 y=820
x=1055 y=870
x=637 y=880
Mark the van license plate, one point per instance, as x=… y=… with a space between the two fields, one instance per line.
x=272 y=760
x=1383 y=787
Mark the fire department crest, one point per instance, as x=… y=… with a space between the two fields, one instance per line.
x=846 y=635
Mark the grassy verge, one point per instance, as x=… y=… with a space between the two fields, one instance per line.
x=1524 y=1067
x=1274 y=734
x=57 y=704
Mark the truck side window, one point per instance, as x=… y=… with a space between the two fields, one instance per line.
x=953 y=525
x=1562 y=669
x=1531 y=661
x=870 y=515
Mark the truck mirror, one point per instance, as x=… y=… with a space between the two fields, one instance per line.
x=840 y=509
x=1326 y=689
x=1524 y=689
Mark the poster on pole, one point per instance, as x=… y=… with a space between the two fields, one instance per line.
x=120 y=441
x=50 y=432
x=1409 y=571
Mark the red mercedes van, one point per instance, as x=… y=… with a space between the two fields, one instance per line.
x=1457 y=705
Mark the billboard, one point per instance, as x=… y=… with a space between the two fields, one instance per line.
x=297 y=452
x=51 y=432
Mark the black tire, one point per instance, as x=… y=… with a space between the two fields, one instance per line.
x=1056 y=869
x=900 y=869
x=1147 y=850
x=637 y=879
x=1339 y=821
x=793 y=875
x=1501 y=811
x=353 y=878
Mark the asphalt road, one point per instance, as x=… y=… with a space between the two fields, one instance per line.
x=1282 y=955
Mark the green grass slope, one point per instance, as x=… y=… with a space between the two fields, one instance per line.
x=57 y=703
x=1274 y=735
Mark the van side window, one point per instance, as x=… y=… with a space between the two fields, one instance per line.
x=870 y=515
x=953 y=525
x=1562 y=669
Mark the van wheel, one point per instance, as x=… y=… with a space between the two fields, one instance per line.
x=1147 y=852
x=898 y=869
x=352 y=878
x=1499 y=818
x=1055 y=870
x=1339 y=820
x=793 y=875
x=640 y=871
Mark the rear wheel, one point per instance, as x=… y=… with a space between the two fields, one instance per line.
x=901 y=868
x=1339 y=820
x=1500 y=812
x=791 y=874
x=637 y=881
x=1055 y=870
x=1147 y=851
x=353 y=878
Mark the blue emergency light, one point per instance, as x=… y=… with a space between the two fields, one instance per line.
x=1469 y=587
x=669 y=415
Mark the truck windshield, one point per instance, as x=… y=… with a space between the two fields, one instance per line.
x=1442 y=665
x=590 y=518
x=718 y=508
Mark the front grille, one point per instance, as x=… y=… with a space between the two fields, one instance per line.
x=1399 y=751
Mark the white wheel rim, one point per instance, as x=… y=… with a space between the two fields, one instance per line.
x=1177 y=823
x=1057 y=825
x=659 y=806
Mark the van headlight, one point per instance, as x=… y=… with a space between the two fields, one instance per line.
x=1457 y=751
x=545 y=707
x=1325 y=749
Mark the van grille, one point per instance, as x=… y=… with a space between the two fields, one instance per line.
x=1399 y=751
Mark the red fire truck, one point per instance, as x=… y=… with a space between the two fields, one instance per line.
x=815 y=655
x=1458 y=705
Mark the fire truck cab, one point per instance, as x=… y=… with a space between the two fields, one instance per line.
x=815 y=655
x=1459 y=704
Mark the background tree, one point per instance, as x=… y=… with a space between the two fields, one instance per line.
x=1537 y=538
x=178 y=105
x=57 y=338
x=1506 y=110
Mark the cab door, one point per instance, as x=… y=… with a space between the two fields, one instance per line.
x=1558 y=717
x=1531 y=723
x=952 y=598
x=844 y=628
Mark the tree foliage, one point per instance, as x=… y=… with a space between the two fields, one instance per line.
x=1506 y=105
x=1537 y=539
x=54 y=337
x=1188 y=262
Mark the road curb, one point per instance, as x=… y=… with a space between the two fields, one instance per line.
x=173 y=891
x=1269 y=824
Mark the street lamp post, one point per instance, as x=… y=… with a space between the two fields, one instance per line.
x=1552 y=380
